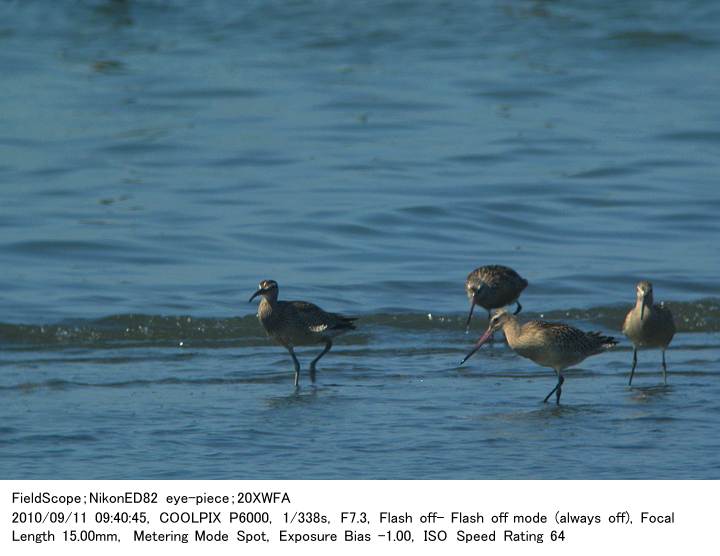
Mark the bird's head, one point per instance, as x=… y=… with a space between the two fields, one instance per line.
x=498 y=320
x=268 y=289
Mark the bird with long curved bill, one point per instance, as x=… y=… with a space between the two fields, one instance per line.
x=293 y=323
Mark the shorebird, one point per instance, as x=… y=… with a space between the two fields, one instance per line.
x=648 y=325
x=548 y=344
x=292 y=323
x=493 y=287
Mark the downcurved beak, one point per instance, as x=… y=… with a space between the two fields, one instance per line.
x=484 y=338
x=255 y=295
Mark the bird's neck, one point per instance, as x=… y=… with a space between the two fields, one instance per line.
x=511 y=329
x=266 y=307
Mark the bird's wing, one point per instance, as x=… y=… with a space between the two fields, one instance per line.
x=317 y=320
x=564 y=334
x=667 y=315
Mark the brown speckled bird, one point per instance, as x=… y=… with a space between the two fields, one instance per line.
x=648 y=325
x=293 y=323
x=548 y=344
x=493 y=287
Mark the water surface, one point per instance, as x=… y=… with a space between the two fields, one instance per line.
x=158 y=160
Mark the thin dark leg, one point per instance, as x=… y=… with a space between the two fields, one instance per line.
x=519 y=307
x=664 y=369
x=297 y=365
x=557 y=390
x=328 y=345
x=558 y=393
x=632 y=371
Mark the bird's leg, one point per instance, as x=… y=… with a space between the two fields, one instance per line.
x=664 y=369
x=632 y=371
x=296 y=363
x=558 y=393
x=519 y=307
x=557 y=390
x=328 y=345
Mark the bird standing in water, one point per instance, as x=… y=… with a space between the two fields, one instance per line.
x=493 y=287
x=293 y=323
x=548 y=344
x=648 y=325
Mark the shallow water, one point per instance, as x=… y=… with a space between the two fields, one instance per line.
x=158 y=159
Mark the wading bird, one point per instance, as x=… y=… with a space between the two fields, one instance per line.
x=493 y=287
x=548 y=344
x=293 y=323
x=648 y=325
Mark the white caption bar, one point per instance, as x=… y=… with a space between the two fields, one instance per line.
x=324 y=517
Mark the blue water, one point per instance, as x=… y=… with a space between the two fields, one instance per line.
x=158 y=159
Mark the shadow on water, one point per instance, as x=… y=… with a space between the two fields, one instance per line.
x=646 y=394
x=300 y=396
x=545 y=412
x=553 y=411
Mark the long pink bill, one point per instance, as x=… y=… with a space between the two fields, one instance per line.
x=484 y=338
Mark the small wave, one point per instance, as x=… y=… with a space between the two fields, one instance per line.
x=657 y=39
x=131 y=330
x=56 y=439
x=59 y=384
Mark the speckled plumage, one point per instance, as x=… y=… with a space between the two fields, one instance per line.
x=648 y=325
x=554 y=345
x=297 y=323
x=493 y=287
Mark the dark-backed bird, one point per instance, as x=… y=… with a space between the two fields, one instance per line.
x=554 y=345
x=648 y=325
x=297 y=323
x=493 y=287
